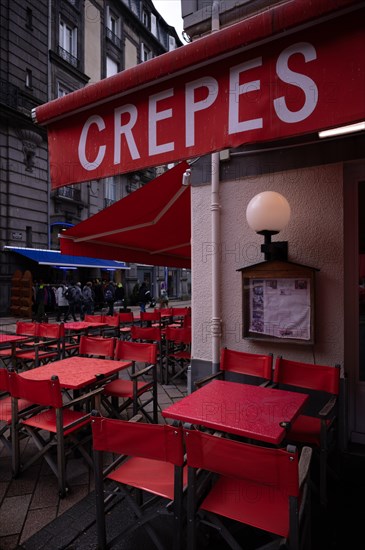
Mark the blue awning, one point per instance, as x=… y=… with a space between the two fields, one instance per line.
x=54 y=258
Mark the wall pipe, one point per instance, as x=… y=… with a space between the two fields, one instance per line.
x=216 y=321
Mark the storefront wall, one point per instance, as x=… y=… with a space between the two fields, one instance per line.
x=315 y=238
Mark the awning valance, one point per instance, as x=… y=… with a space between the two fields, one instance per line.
x=54 y=258
x=151 y=225
x=270 y=76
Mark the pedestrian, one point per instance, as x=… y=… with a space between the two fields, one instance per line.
x=88 y=300
x=144 y=296
x=109 y=297
x=119 y=295
x=61 y=303
x=73 y=295
x=164 y=299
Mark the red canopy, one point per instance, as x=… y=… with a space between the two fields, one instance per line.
x=150 y=226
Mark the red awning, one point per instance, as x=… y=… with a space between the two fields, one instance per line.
x=150 y=226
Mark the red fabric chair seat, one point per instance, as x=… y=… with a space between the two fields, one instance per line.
x=46 y=420
x=124 y=388
x=5 y=408
x=149 y=475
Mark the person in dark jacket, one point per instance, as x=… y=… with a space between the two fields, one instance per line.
x=144 y=296
x=109 y=297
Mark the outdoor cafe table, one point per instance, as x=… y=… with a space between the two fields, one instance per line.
x=255 y=412
x=77 y=373
x=8 y=342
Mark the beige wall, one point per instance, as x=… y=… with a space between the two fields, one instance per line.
x=92 y=42
x=315 y=236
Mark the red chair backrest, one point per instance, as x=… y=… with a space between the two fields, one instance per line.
x=94 y=318
x=176 y=334
x=27 y=328
x=150 y=315
x=94 y=345
x=51 y=330
x=253 y=364
x=181 y=311
x=111 y=320
x=270 y=466
x=127 y=317
x=323 y=378
x=154 y=441
x=152 y=334
x=136 y=351
x=41 y=392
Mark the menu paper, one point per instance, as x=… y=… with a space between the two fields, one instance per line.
x=280 y=307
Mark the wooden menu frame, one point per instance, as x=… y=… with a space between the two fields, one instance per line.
x=279 y=302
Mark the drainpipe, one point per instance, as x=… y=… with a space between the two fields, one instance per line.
x=216 y=322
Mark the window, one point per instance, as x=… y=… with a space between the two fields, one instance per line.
x=109 y=191
x=153 y=25
x=28 y=78
x=112 y=22
x=111 y=67
x=29 y=19
x=145 y=19
x=146 y=53
x=68 y=42
x=62 y=90
x=172 y=43
x=28 y=236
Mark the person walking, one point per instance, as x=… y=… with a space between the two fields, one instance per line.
x=88 y=300
x=144 y=296
x=109 y=297
x=61 y=303
x=73 y=295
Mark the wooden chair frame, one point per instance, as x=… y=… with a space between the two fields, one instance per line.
x=318 y=424
x=131 y=391
x=63 y=423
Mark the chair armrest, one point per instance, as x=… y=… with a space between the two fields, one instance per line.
x=328 y=408
x=304 y=464
x=83 y=397
x=201 y=381
x=142 y=371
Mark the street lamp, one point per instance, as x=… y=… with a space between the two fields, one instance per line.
x=268 y=213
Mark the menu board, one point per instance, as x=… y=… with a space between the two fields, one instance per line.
x=280 y=308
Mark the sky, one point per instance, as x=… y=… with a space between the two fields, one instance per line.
x=171 y=12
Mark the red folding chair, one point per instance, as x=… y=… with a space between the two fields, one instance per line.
x=150 y=335
x=240 y=366
x=318 y=425
x=95 y=346
x=57 y=424
x=266 y=490
x=178 y=352
x=151 y=319
x=152 y=470
x=46 y=346
x=126 y=321
x=131 y=391
x=6 y=410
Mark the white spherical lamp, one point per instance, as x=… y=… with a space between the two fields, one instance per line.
x=268 y=213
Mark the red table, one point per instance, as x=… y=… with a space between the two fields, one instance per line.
x=254 y=412
x=76 y=373
x=10 y=341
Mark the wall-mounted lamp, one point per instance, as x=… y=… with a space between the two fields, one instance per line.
x=268 y=213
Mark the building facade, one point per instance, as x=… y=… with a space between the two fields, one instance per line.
x=324 y=183
x=49 y=49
